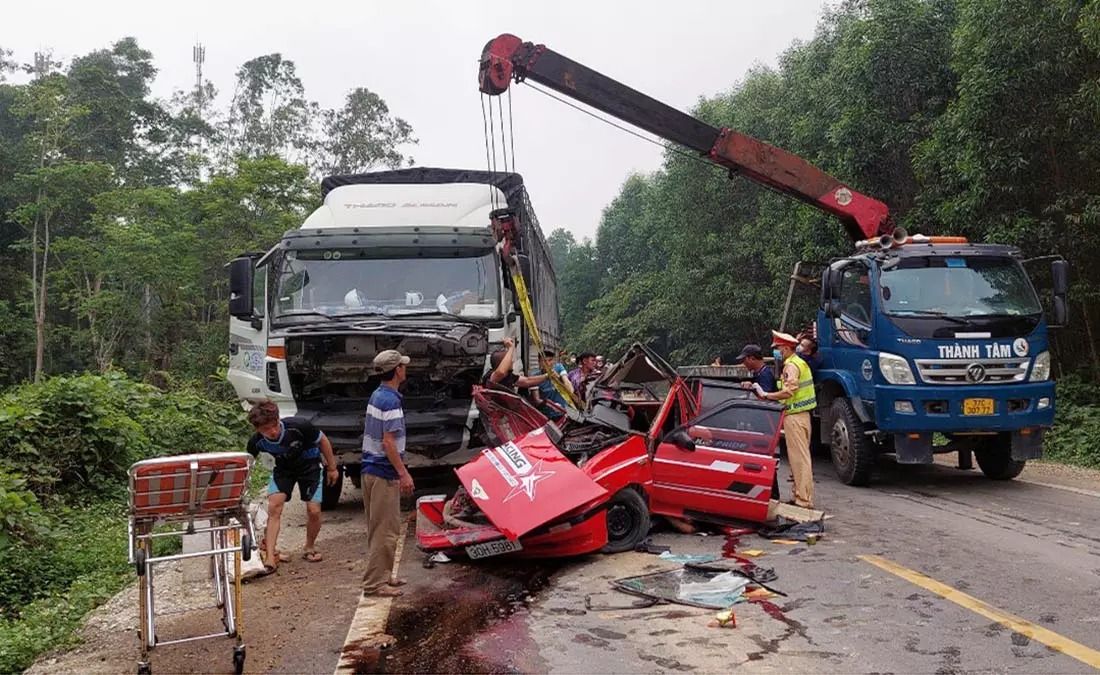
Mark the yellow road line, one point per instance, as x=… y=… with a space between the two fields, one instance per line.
x=369 y=623
x=1059 y=643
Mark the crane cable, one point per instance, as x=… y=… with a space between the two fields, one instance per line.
x=519 y=284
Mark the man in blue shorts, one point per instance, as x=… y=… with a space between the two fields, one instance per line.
x=298 y=448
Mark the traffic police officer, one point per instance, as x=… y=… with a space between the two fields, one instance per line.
x=797 y=390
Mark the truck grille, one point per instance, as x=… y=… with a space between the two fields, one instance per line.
x=976 y=371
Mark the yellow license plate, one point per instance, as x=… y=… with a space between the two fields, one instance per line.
x=977 y=406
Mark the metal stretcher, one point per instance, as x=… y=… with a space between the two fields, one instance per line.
x=191 y=494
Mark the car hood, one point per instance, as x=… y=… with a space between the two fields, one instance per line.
x=526 y=483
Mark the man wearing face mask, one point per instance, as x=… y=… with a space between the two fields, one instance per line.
x=798 y=393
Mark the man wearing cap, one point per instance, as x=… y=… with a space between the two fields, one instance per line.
x=385 y=477
x=798 y=393
x=753 y=358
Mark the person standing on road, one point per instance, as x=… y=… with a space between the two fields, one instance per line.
x=798 y=393
x=385 y=477
x=298 y=448
x=753 y=358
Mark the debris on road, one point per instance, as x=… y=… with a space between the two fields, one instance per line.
x=723 y=619
x=790 y=530
x=687 y=558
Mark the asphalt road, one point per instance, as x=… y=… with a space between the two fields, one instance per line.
x=1029 y=551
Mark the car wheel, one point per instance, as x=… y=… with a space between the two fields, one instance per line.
x=627 y=521
x=330 y=494
x=853 y=454
x=995 y=460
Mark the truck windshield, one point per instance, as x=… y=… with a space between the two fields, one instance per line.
x=965 y=286
x=349 y=282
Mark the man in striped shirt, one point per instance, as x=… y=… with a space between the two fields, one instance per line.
x=385 y=477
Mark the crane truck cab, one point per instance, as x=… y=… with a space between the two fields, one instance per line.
x=402 y=260
x=931 y=345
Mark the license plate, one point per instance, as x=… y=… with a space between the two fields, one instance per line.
x=977 y=406
x=491 y=548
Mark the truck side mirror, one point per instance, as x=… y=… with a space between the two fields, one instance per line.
x=834 y=277
x=1059 y=272
x=240 y=288
x=1061 y=311
x=832 y=308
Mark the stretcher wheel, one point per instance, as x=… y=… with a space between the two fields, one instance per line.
x=246 y=547
x=238 y=659
x=145 y=669
x=139 y=565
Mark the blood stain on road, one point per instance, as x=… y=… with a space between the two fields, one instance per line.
x=434 y=631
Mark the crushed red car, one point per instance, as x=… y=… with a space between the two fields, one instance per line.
x=592 y=482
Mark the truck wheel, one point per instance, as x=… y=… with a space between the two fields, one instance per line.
x=356 y=478
x=330 y=494
x=627 y=521
x=997 y=463
x=852 y=453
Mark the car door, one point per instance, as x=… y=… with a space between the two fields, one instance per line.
x=505 y=415
x=719 y=466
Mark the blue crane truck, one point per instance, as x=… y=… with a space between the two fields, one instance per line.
x=928 y=344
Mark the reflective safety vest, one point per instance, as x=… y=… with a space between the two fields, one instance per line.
x=804 y=398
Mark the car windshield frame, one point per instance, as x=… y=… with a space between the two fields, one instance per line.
x=922 y=299
x=466 y=288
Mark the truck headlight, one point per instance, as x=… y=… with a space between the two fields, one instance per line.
x=895 y=369
x=1040 y=371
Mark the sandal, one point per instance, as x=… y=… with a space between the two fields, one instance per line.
x=312 y=556
x=395 y=581
x=385 y=593
x=283 y=557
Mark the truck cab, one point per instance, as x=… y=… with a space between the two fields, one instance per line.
x=402 y=260
x=930 y=346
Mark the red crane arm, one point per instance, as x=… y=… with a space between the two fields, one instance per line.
x=507 y=58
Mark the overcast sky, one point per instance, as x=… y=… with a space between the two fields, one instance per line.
x=421 y=57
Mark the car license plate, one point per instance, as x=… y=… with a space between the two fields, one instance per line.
x=977 y=406
x=491 y=548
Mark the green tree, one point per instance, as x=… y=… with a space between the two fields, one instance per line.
x=269 y=114
x=362 y=135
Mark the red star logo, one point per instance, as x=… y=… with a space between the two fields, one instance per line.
x=527 y=483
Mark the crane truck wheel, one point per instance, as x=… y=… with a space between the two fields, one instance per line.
x=997 y=463
x=852 y=452
x=330 y=494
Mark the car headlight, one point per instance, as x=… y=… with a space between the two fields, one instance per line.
x=1041 y=370
x=895 y=369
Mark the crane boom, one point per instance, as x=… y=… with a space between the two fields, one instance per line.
x=507 y=58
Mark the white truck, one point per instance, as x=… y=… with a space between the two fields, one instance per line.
x=401 y=260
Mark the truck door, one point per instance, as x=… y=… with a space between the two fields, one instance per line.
x=719 y=466
x=851 y=328
x=248 y=329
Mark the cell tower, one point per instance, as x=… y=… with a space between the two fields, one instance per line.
x=41 y=63
x=198 y=55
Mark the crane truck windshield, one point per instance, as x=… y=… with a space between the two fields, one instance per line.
x=350 y=282
x=959 y=287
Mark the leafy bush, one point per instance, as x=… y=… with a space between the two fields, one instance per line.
x=77 y=435
x=1075 y=438
x=21 y=517
x=46 y=590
